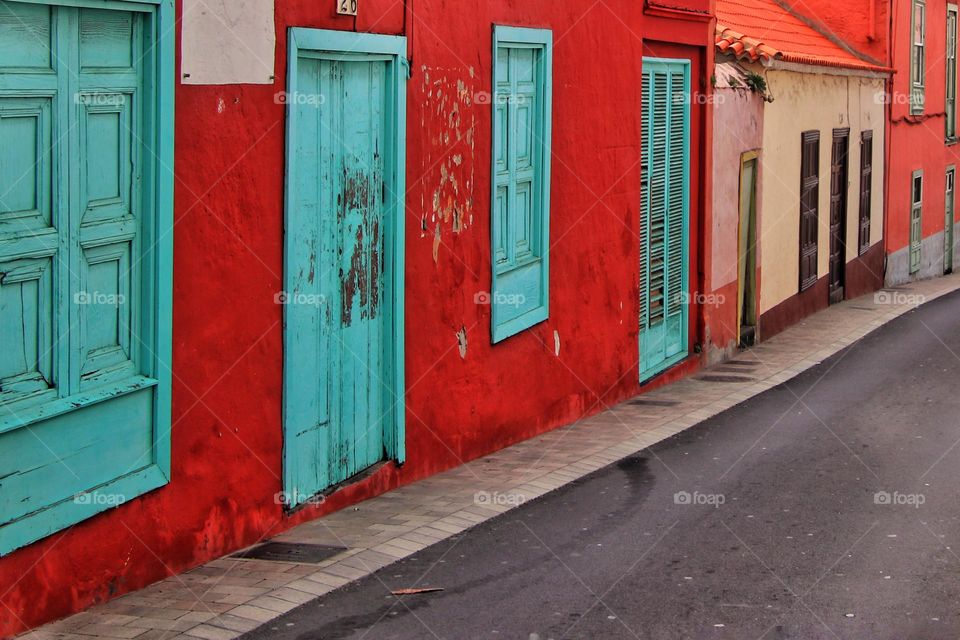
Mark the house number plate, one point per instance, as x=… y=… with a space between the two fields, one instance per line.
x=347 y=7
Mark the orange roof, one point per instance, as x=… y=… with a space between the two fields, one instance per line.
x=763 y=30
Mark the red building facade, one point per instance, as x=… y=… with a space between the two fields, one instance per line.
x=465 y=395
x=923 y=153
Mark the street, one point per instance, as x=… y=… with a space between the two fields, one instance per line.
x=824 y=508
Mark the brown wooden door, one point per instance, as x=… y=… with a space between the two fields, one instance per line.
x=838 y=212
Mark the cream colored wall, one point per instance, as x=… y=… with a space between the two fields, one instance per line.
x=804 y=102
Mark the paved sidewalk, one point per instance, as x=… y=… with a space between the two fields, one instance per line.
x=226 y=597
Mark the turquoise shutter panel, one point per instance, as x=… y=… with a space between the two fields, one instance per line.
x=645 y=177
x=85 y=210
x=664 y=215
x=520 y=201
x=676 y=216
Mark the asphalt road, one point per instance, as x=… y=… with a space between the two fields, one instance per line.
x=828 y=507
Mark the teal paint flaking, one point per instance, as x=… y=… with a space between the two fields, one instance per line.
x=343 y=407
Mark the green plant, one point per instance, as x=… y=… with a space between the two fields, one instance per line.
x=756 y=82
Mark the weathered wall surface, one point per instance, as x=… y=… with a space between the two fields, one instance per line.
x=917 y=142
x=465 y=397
x=802 y=102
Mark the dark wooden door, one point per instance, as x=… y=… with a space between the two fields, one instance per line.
x=838 y=212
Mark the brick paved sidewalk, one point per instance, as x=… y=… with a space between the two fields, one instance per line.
x=226 y=597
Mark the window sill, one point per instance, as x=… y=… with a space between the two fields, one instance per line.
x=11 y=420
x=949 y=142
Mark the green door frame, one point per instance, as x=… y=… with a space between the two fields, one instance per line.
x=344 y=45
x=747 y=256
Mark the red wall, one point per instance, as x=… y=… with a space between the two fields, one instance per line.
x=226 y=434
x=917 y=142
x=860 y=24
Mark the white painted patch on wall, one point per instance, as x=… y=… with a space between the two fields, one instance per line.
x=556 y=343
x=228 y=42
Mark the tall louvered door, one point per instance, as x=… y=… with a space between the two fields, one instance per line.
x=664 y=215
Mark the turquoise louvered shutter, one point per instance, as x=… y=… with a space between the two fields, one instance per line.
x=520 y=209
x=664 y=214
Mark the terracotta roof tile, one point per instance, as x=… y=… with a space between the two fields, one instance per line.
x=763 y=30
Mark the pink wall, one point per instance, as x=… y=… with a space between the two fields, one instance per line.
x=738 y=128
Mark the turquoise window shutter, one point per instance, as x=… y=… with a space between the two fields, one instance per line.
x=520 y=200
x=664 y=215
x=85 y=252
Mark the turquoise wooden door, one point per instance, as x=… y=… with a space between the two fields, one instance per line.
x=664 y=215
x=340 y=390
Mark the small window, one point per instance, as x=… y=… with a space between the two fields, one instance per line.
x=866 y=188
x=916 y=222
x=918 y=57
x=522 y=72
x=809 y=207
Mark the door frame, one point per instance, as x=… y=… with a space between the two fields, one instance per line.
x=949 y=217
x=750 y=275
x=340 y=45
x=916 y=205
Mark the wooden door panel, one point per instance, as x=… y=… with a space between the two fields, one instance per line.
x=338 y=398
